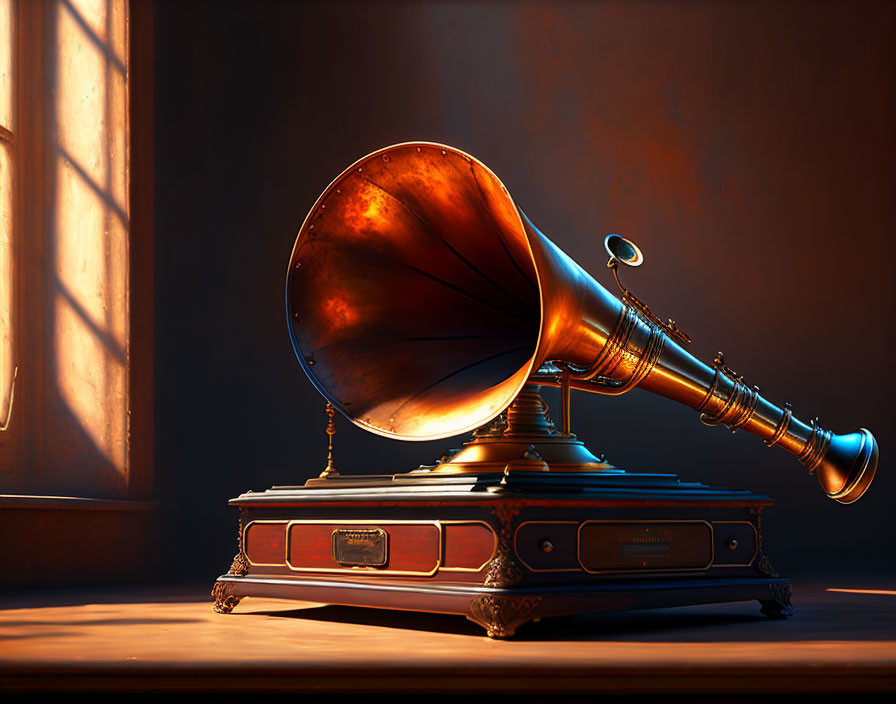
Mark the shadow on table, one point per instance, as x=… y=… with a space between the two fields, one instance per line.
x=848 y=620
x=631 y=626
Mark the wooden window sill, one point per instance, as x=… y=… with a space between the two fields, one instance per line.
x=73 y=502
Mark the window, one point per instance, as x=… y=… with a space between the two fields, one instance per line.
x=75 y=248
x=7 y=215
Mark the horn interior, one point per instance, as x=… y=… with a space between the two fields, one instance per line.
x=412 y=296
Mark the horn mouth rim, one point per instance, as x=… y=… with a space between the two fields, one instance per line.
x=637 y=258
x=864 y=472
x=530 y=365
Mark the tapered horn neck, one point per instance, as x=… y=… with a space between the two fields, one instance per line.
x=607 y=346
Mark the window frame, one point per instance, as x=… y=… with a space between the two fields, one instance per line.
x=25 y=489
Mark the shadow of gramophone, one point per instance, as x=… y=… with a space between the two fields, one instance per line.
x=422 y=303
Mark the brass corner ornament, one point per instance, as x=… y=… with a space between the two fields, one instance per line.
x=503 y=569
x=240 y=565
x=499 y=615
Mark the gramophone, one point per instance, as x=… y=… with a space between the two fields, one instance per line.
x=423 y=304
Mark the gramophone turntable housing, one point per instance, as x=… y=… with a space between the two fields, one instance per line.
x=422 y=303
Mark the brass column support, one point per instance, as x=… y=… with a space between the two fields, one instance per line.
x=330 y=470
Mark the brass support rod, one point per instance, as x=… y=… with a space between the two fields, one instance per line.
x=565 y=401
x=330 y=469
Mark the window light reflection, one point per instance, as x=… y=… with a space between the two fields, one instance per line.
x=7 y=184
x=89 y=244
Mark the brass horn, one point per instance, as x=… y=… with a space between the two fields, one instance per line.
x=421 y=299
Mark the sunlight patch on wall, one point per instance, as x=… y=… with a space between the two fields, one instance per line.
x=6 y=62
x=92 y=382
x=7 y=184
x=7 y=360
x=89 y=244
x=103 y=21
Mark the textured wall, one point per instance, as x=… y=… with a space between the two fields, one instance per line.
x=748 y=148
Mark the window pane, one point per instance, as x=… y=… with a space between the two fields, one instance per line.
x=6 y=211
x=7 y=46
x=89 y=229
x=6 y=279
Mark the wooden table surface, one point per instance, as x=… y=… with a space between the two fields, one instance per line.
x=171 y=640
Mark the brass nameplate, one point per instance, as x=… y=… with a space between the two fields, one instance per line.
x=645 y=546
x=360 y=547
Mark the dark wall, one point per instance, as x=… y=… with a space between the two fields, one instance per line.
x=748 y=148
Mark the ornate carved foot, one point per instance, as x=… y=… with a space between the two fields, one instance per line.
x=222 y=592
x=225 y=600
x=772 y=608
x=501 y=615
x=778 y=605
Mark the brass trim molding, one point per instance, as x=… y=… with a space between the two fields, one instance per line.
x=755 y=545
x=553 y=569
x=468 y=523
x=441 y=567
x=712 y=550
x=245 y=544
x=372 y=524
x=582 y=524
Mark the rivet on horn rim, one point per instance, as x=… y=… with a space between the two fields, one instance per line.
x=444 y=152
x=418 y=149
x=385 y=157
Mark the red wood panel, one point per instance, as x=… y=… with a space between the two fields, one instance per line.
x=411 y=547
x=266 y=543
x=468 y=545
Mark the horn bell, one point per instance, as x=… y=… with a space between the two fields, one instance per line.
x=412 y=296
x=848 y=466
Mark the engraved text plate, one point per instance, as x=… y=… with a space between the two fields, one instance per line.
x=360 y=547
x=652 y=545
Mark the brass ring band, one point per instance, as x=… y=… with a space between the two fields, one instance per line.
x=748 y=409
x=737 y=393
x=782 y=426
x=615 y=346
x=648 y=359
x=730 y=403
x=711 y=393
x=816 y=447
